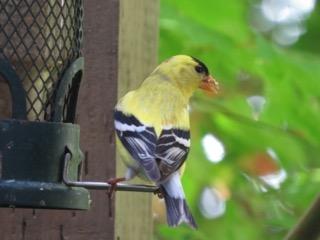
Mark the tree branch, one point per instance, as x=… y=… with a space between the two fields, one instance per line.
x=308 y=226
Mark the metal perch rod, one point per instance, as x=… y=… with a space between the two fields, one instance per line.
x=102 y=185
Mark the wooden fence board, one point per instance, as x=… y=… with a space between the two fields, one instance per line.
x=137 y=58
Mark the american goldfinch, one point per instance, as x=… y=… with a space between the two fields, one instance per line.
x=152 y=123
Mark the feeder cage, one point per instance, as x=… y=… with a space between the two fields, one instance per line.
x=40 y=72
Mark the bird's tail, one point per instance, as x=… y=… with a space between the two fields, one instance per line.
x=176 y=205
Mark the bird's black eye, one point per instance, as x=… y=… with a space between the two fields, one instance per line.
x=199 y=69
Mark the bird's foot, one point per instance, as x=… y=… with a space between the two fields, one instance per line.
x=113 y=184
x=159 y=192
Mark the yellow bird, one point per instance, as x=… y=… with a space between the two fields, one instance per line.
x=152 y=123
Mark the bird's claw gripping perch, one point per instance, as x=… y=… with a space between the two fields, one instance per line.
x=159 y=192
x=113 y=184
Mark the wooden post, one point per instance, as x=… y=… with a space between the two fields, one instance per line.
x=137 y=58
x=120 y=50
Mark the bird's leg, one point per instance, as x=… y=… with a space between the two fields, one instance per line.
x=131 y=173
x=113 y=183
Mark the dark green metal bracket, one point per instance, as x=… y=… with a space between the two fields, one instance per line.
x=68 y=88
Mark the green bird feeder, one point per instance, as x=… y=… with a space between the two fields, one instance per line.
x=42 y=67
x=41 y=64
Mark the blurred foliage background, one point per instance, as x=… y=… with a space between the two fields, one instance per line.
x=253 y=168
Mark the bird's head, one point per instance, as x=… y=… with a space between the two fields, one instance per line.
x=188 y=73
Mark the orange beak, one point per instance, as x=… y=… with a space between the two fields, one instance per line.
x=209 y=84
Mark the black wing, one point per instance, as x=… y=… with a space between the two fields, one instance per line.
x=140 y=142
x=172 y=150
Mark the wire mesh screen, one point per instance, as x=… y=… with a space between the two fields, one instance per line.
x=40 y=38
